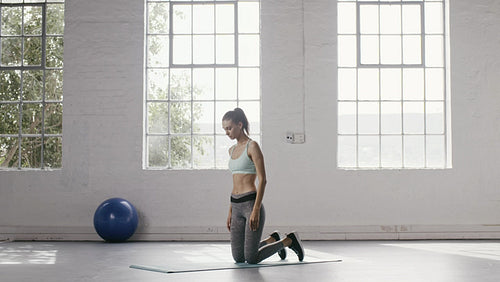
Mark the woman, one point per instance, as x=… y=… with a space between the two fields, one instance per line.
x=246 y=212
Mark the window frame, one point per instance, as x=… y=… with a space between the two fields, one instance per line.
x=43 y=135
x=445 y=101
x=217 y=136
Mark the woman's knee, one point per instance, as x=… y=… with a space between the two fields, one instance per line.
x=252 y=257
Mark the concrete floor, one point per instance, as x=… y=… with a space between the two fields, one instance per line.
x=362 y=261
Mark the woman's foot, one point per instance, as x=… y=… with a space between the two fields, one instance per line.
x=276 y=237
x=296 y=245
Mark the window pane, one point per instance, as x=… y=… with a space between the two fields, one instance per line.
x=368 y=148
x=368 y=84
x=54 y=85
x=413 y=117
x=252 y=111
x=203 y=152
x=10 y=85
x=225 y=49
x=390 y=84
x=203 y=49
x=413 y=84
x=346 y=18
x=390 y=49
x=158 y=80
x=32 y=118
x=203 y=117
x=369 y=49
x=182 y=49
x=347 y=118
x=226 y=83
x=180 y=117
x=346 y=84
x=52 y=152
x=180 y=152
x=390 y=19
x=368 y=18
x=158 y=51
x=434 y=52
x=346 y=154
x=33 y=20
x=411 y=19
x=249 y=50
x=31 y=152
x=435 y=151
x=347 y=51
x=9 y=119
x=203 y=19
x=433 y=18
x=32 y=51
x=53 y=118
x=434 y=84
x=434 y=117
x=55 y=50
x=8 y=150
x=55 y=19
x=220 y=109
x=368 y=118
x=157 y=117
x=180 y=84
x=12 y=51
x=248 y=17
x=414 y=151
x=158 y=17
x=203 y=84
x=391 y=118
x=181 y=19
x=33 y=85
x=222 y=143
x=224 y=18
x=412 y=49
x=391 y=148
x=248 y=83
x=11 y=21
x=157 y=151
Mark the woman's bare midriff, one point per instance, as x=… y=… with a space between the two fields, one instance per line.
x=243 y=183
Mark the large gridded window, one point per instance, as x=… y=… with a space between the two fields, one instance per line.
x=393 y=94
x=31 y=77
x=202 y=59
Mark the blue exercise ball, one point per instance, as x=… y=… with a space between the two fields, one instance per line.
x=115 y=220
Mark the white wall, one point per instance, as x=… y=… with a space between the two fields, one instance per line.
x=103 y=139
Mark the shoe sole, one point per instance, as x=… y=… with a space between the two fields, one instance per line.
x=300 y=244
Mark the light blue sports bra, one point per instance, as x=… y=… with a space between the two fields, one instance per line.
x=243 y=164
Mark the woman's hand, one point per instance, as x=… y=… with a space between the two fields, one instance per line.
x=254 y=219
x=228 y=221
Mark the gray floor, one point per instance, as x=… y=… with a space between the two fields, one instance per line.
x=362 y=261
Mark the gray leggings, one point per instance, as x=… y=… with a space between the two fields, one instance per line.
x=245 y=243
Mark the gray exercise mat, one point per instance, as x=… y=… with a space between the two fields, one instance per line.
x=182 y=266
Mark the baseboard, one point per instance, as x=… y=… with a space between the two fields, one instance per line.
x=368 y=232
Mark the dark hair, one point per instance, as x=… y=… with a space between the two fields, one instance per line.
x=237 y=116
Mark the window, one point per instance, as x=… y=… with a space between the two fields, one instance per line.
x=202 y=59
x=31 y=77
x=393 y=90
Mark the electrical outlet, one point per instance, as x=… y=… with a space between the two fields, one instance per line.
x=295 y=138
x=299 y=138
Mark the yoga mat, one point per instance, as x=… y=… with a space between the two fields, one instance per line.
x=183 y=267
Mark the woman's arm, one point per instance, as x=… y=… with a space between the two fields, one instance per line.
x=257 y=157
x=228 y=221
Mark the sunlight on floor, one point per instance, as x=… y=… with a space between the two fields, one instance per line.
x=477 y=250
x=28 y=254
